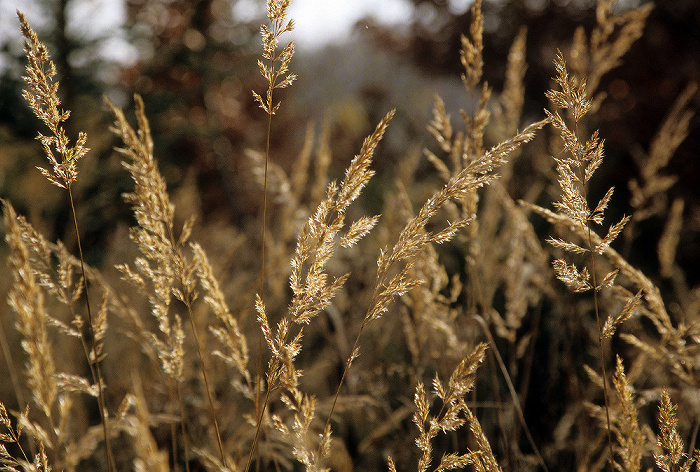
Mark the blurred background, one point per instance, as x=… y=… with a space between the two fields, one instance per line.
x=194 y=62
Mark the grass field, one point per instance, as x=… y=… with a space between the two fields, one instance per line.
x=488 y=318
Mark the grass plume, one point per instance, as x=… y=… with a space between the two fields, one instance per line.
x=42 y=97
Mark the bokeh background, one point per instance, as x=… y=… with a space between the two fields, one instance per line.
x=194 y=62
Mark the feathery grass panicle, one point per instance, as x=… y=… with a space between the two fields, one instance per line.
x=10 y=464
x=669 y=136
x=358 y=172
x=149 y=458
x=431 y=326
x=573 y=97
x=319 y=239
x=502 y=277
x=12 y=436
x=276 y=72
x=441 y=128
x=482 y=459
x=281 y=370
x=164 y=262
x=289 y=192
x=414 y=239
x=471 y=53
x=626 y=313
x=27 y=300
x=656 y=309
x=611 y=38
x=668 y=243
x=230 y=334
x=54 y=267
x=669 y=439
x=575 y=169
x=322 y=161
x=527 y=276
x=305 y=449
x=315 y=153
x=512 y=97
x=466 y=152
x=629 y=435
x=154 y=236
x=313 y=291
x=50 y=266
x=450 y=142
x=43 y=99
x=476 y=174
x=51 y=390
x=299 y=176
x=453 y=414
x=463 y=147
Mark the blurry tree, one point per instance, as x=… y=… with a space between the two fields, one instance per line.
x=196 y=69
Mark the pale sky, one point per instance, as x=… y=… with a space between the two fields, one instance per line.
x=318 y=22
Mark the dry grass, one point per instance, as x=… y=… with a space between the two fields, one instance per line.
x=356 y=314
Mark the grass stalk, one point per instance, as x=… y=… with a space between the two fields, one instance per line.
x=277 y=76
x=511 y=389
x=210 y=400
x=93 y=359
x=594 y=279
x=42 y=98
x=575 y=172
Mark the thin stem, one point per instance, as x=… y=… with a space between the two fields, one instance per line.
x=264 y=210
x=173 y=431
x=187 y=300
x=382 y=275
x=591 y=250
x=342 y=378
x=257 y=430
x=602 y=350
x=95 y=370
x=260 y=409
x=511 y=389
x=206 y=384
x=15 y=439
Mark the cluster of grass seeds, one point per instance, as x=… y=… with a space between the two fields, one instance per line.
x=188 y=398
